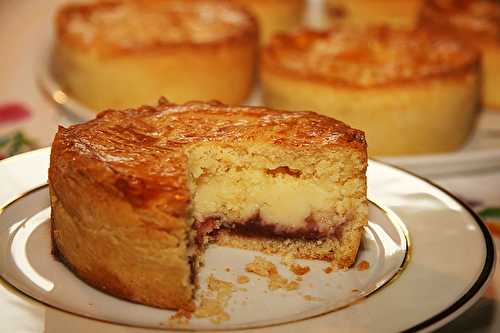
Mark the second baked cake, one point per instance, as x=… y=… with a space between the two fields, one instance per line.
x=137 y=194
x=117 y=54
x=476 y=22
x=411 y=91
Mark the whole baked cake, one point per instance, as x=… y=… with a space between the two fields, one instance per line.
x=137 y=194
x=476 y=22
x=117 y=54
x=411 y=91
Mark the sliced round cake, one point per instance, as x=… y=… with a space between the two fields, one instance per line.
x=117 y=54
x=411 y=91
x=137 y=194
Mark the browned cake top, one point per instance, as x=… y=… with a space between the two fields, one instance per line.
x=478 y=17
x=142 y=24
x=139 y=151
x=368 y=57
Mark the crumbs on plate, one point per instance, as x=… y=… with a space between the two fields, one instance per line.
x=310 y=298
x=242 y=279
x=212 y=303
x=182 y=316
x=299 y=270
x=363 y=266
x=265 y=268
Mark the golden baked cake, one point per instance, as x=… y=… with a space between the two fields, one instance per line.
x=127 y=53
x=136 y=194
x=361 y=13
x=476 y=22
x=275 y=15
x=412 y=92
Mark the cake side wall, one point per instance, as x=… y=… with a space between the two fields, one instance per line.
x=434 y=115
x=138 y=254
x=182 y=74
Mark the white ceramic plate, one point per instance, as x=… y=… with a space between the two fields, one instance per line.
x=416 y=287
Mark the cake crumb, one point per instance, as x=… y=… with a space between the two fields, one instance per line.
x=328 y=270
x=293 y=285
x=224 y=289
x=227 y=269
x=299 y=278
x=287 y=259
x=299 y=270
x=182 y=316
x=310 y=298
x=276 y=281
x=242 y=279
x=363 y=266
x=355 y=290
x=262 y=267
x=213 y=306
x=212 y=309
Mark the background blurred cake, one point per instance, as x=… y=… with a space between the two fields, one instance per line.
x=412 y=92
x=275 y=15
x=121 y=54
x=396 y=13
x=476 y=22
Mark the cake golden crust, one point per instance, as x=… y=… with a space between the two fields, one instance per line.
x=373 y=57
x=477 y=23
x=117 y=54
x=126 y=149
x=117 y=27
x=411 y=91
x=123 y=208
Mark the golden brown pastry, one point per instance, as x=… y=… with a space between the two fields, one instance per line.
x=361 y=13
x=126 y=53
x=136 y=194
x=275 y=15
x=412 y=92
x=477 y=22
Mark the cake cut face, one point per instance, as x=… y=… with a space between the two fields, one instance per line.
x=138 y=194
x=411 y=91
x=117 y=54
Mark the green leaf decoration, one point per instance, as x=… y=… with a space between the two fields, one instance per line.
x=15 y=143
x=490 y=213
x=4 y=141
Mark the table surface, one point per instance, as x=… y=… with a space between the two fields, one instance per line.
x=28 y=121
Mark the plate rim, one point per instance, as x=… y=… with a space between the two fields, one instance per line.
x=486 y=273
x=390 y=215
x=435 y=321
